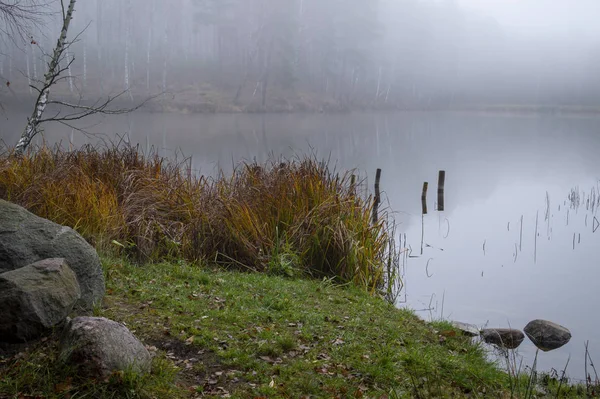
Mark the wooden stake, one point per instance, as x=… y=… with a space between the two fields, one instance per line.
x=377 y=196
x=424 y=198
x=441 y=182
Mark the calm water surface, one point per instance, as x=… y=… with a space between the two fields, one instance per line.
x=480 y=263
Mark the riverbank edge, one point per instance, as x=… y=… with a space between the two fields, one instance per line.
x=211 y=103
x=217 y=333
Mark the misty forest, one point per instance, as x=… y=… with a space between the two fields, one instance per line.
x=338 y=53
x=299 y=198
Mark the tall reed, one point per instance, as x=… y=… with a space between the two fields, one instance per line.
x=152 y=208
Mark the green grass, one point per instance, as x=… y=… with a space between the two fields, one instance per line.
x=252 y=335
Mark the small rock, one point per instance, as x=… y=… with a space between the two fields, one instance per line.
x=36 y=298
x=503 y=337
x=547 y=335
x=470 y=330
x=98 y=346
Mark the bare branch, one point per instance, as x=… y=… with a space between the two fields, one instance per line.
x=85 y=110
x=74 y=111
x=18 y=18
x=31 y=129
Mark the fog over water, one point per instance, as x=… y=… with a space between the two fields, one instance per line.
x=483 y=260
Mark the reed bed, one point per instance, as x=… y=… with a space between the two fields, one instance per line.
x=284 y=216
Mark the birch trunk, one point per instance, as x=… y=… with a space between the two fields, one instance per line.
x=28 y=72
x=31 y=128
x=35 y=75
x=69 y=74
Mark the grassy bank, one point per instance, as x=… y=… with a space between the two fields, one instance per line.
x=253 y=335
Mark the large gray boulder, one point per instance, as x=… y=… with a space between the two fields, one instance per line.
x=547 y=335
x=97 y=347
x=507 y=338
x=26 y=238
x=35 y=298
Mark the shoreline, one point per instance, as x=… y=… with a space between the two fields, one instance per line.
x=186 y=104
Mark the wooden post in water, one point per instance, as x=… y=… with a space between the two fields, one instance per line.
x=377 y=199
x=424 y=198
x=353 y=184
x=441 y=182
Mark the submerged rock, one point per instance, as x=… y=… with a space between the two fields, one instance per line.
x=470 y=330
x=507 y=338
x=35 y=298
x=547 y=335
x=97 y=346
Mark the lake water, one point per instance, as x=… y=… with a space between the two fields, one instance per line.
x=483 y=260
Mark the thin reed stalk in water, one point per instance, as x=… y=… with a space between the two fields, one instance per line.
x=535 y=238
x=521 y=235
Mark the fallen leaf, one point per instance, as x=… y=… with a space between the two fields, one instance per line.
x=63 y=387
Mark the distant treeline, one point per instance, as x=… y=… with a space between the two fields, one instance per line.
x=376 y=52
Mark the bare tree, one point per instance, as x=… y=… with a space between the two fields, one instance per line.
x=19 y=17
x=75 y=111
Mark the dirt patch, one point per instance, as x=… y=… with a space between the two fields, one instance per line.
x=201 y=369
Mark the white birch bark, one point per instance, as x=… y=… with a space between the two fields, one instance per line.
x=28 y=72
x=31 y=128
x=35 y=75
x=69 y=74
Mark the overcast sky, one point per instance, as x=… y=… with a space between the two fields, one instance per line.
x=543 y=17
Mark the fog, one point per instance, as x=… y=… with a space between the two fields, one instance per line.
x=394 y=53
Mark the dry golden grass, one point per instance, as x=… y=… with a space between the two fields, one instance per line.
x=288 y=216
